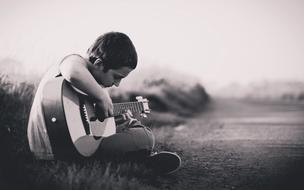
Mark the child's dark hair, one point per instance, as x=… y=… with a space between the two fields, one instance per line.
x=115 y=50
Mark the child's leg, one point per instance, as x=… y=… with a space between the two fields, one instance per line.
x=132 y=143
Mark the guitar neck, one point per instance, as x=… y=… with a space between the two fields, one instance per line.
x=134 y=107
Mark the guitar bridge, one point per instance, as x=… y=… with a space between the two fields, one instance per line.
x=84 y=116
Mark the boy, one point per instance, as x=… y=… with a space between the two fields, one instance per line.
x=110 y=59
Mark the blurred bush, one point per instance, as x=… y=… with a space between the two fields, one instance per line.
x=165 y=97
x=15 y=101
x=169 y=102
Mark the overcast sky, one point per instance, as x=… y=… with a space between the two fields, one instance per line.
x=219 y=41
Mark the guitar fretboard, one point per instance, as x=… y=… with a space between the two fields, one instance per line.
x=134 y=107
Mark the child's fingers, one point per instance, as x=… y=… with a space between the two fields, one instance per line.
x=127 y=115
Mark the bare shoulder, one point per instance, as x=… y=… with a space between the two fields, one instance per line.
x=73 y=58
x=73 y=61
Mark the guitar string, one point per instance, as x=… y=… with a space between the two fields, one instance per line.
x=120 y=108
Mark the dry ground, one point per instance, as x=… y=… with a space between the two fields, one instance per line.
x=238 y=145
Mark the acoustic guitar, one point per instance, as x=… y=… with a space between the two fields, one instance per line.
x=71 y=120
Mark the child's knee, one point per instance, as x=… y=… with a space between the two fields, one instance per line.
x=138 y=139
x=144 y=138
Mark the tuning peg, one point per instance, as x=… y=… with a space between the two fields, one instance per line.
x=139 y=98
x=143 y=115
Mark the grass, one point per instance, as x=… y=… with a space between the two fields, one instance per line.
x=18 y=169
x=89 y=175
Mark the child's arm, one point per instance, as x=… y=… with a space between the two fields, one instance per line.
x=74 y=69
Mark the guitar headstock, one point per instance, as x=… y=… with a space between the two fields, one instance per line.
x=145 y=104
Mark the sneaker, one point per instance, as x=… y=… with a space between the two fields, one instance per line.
x=163 y=162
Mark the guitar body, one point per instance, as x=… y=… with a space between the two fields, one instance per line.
x=71 y=121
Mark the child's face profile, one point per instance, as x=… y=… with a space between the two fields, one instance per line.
x=111 y=77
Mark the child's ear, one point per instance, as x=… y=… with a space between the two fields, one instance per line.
x=98 y=62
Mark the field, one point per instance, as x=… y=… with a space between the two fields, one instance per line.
x=20 y=170
x=239 y=144
x=230 y=144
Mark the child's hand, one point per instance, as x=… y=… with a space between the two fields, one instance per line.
x=124 y=120
x=104 y=107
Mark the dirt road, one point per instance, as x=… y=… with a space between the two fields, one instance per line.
x=240 y=145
